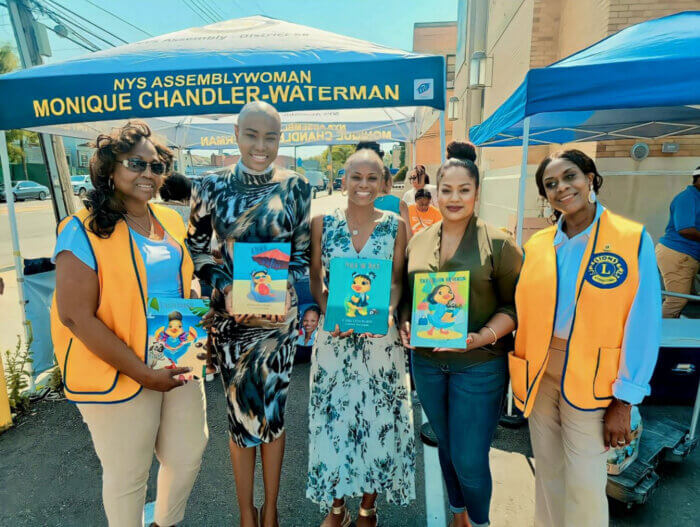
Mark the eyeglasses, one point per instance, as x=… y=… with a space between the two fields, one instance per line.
x=136 y=164
x=412 y=178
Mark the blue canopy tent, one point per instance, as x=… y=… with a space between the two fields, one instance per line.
x=639 y=83
x=195 y=79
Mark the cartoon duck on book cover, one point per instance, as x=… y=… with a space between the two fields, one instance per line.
x=440 y=310
x=358 y=296
x=260 y=277
x=175 y=334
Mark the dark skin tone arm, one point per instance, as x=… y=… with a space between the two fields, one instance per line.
x=691 y=233
x=77 y=294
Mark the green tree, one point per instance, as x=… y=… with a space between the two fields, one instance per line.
x=16 y=139
x=402 y=155
x=400 y=175
x=340 y=155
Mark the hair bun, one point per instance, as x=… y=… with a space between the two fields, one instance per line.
x=461 y=150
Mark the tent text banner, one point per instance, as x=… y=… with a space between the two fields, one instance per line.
x=151 y=79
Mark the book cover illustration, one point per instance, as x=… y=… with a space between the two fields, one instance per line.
x=358 y=295
x=259 y=277
x=175 y=334
x=440 y=317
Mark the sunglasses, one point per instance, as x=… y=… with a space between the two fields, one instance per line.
x=136 y=164
x=412 y=178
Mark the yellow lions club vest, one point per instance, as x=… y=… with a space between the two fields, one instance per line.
x=606 y=286
x=122 y=307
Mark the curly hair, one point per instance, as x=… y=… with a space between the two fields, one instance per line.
x=106 y=208
x=578 y=158
x=461 y=150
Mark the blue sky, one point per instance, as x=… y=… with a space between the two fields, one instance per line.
x=386 y=22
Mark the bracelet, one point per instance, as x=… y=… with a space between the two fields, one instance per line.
x=495 y=337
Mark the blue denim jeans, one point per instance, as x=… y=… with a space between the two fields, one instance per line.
x=463 y=405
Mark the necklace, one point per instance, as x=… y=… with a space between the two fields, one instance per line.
x=353 y=232
x=144 y=229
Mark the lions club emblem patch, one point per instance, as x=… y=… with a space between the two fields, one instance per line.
x=606 y=270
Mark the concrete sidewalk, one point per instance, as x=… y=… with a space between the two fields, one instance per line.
x=50 y=476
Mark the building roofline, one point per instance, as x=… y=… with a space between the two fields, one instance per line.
x=435 y=24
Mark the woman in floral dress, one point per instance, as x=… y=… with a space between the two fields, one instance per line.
x=361 y=438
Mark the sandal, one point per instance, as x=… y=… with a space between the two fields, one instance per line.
x=342 y=510
x=368 y=513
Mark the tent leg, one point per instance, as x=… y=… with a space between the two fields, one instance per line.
x=522 y=182
x=521 y=216
x=4 y=158
x=443 y=153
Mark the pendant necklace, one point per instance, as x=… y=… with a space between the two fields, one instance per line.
x=144 y=229
x=353 y=232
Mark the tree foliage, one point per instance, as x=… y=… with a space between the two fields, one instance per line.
x=400 y=175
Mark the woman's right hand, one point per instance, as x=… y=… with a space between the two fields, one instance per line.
x=405 y=332
x=163 y=380
x=341 y=334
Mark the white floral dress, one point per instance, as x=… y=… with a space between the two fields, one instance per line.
x=361 y=435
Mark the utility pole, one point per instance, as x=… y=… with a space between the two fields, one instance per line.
x=24 y=26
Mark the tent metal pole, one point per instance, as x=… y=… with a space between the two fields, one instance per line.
x=14 y=235
x=522 y=181
x=442 y=137
x=413 y=154
x=521 y=216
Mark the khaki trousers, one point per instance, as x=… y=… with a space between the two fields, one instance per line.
x=678 y=271
x=570 y=457
x=174 y=424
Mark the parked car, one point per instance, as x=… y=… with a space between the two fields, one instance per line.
x=337 y=183
x=81 y=185
x=26 y=190
x=316 y=179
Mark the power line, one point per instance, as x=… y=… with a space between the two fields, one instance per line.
x=207 y=9
x=194 y=11
x=90 y=22
x=59 y=18
x=118 y=17
x=73 y=41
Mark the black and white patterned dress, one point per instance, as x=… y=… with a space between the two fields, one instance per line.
x=255 y=362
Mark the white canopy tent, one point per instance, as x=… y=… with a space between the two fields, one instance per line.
x=189 y=85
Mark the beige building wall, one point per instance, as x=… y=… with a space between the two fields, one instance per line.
x=439 y=38
x=533 y=34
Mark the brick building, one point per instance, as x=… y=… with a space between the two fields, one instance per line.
x=438 y=38
x=517 y=36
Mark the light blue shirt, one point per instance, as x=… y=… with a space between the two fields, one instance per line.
x=160 y=257
x=640 y=344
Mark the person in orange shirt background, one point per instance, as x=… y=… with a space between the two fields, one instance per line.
x=421 y=214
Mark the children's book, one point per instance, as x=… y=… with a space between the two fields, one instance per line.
x=440 y=317
x=259 y=277
x=176 y=338
x=358 y=295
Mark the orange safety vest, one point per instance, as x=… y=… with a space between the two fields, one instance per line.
x=122 y=307
x=607 y=283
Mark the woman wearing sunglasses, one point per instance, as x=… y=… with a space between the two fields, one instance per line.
x=418 y=178
x=110 y=258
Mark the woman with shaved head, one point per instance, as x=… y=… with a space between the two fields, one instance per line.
x=254 y=202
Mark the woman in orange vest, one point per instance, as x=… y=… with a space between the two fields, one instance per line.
x=110 y=258
x=589 y=323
